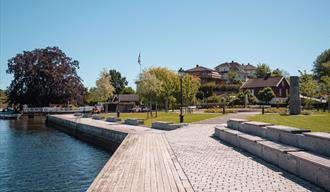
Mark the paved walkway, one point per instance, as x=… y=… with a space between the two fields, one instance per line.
x=211 y=165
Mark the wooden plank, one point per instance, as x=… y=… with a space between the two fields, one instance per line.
x=159 y=179
x=161 y=163
x=147 y=184
x=99 y=180
x=167 y=160
x=127 y=163
x=153 y=179
x=114 y=183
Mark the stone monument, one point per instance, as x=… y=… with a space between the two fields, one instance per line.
x=295 y=102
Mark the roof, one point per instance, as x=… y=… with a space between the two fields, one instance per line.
x=231 y=65
x=127 y=98
x=249 y=67
x=199 y=68
x=263 y=82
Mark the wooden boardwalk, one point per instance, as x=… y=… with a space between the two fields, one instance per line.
x=143 y=162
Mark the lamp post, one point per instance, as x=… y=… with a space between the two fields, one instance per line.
x=118 y=101
x=181 y=73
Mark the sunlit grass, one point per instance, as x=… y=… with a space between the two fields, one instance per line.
x=162 y=116
x=318 y=121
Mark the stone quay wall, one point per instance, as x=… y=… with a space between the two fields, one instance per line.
x=105 y=138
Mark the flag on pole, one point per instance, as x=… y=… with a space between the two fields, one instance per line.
x=139 y=59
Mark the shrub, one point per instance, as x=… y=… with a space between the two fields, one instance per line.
x=275 y=110
x=306 y=112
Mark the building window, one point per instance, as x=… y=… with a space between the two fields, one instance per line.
x=280 y=92
x=252 y=91
x=286 y=92
x=282 y=83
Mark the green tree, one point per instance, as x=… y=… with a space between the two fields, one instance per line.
x=170 y=84
x=325 y=88
x=42 y=77
x=214 y=99
x=322 y=65
x=128 y=90
x=266 y=95
x=103 y=90
x=241 y=97
x=263 y=70
x=117 y=81
x=232 y=76
x=149 y=87
x=208 y=89
x=3 y=99
x=190 y=86
x=307 y=87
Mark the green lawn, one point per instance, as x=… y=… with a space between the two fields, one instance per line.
x=162 y=116
x=318 y=121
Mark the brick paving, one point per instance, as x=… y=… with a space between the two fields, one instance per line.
x=211 y=165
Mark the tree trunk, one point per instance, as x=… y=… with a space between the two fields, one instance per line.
x=166 y=104
x=156 y=110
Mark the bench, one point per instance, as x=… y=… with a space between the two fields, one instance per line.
x=312 y=167
x=134 y=121
x=284 y=134
x=235 y=123
x=250 y=143
x=318 y=142
x=97 y=117
x=254 y=128
x=113 y=119
x=165 y=125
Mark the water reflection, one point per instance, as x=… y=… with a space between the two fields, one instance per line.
x=34 y=157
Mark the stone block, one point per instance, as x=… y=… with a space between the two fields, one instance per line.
x=218 y=132
x=314 y=168
x=254 y=128
x=113 y=119
x=165 y=125
x=235 y=123
x=250 y=144
x=97 y=117
x=230 y=136
x=134 y=121
x=284 y=134
x=318 y=142
x=273 y=152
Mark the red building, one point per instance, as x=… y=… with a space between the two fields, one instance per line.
x=279 y=85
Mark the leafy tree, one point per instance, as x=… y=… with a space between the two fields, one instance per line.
x=149 y=87
x=280 y=72
x=117 y=81
x=213 y=99
x=190 y=86
x=325 y=88
x=128 y=90
x=307 y=85
x=263 y=70
x=322 y=65
x=208 y=89
x=266 y=95
x=3 y=99
x=232 y=76
x=42 y=77
x=241 y=97
x=170 y=84
x=104 y=89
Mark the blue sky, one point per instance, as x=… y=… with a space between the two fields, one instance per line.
x=110 y=34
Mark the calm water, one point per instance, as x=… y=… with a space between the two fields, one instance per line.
x=34 y=157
